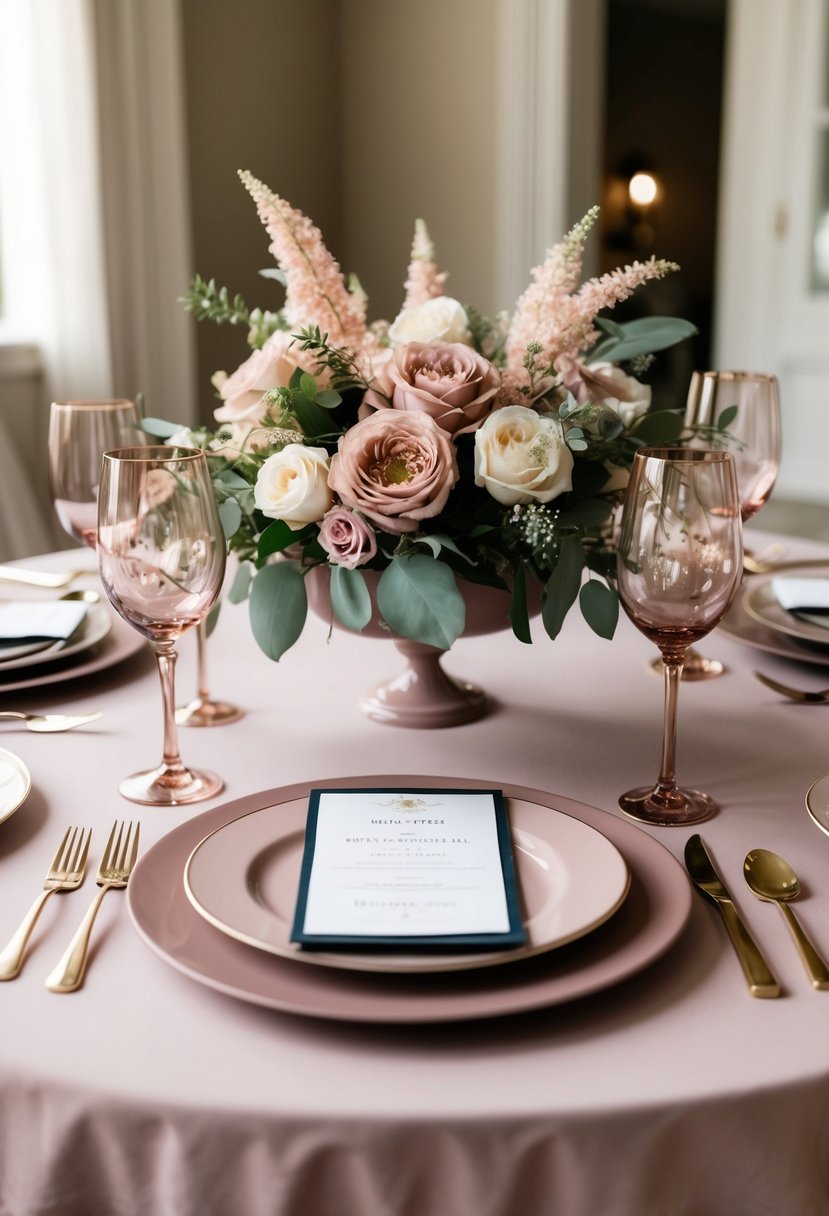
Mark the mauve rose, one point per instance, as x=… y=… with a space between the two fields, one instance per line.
x=396 y=468
x=347 y=539
x=451 y=383
x=269 y=367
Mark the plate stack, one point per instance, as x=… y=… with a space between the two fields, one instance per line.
x=215 y=898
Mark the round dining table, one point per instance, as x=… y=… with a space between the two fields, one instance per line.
x=669 y=1092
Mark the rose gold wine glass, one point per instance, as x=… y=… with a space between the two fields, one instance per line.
x=751 y=435
x=161 y=558
x=79 y=434
x=680 y=556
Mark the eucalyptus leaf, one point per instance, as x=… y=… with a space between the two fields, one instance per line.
x=642 y=337
x=327 y=398
x=232 y=480
x=350 y=600
x=600 y=607
x=418 y=598
x=308 y=385
x=240 y=587
x=518 y=614
x=159 y=428
x=278 y=607
x=563 y=585
x=727 y=417
x=230 y=513
x=273 y=272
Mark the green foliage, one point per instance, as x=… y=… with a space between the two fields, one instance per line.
x=278 y=607
x=563 y=585
x=640 y=337
x=209 y=302
x=340 y=361
x=659 y=427
x=350 y=599
x=600 y=607
x=518 y=613
x=240 y=587
x=418 y=598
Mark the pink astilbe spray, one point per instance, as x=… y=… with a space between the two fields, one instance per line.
x=316 y=293
x=424 y=281
x=558 y=322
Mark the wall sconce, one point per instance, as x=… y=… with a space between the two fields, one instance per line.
x=643 y=189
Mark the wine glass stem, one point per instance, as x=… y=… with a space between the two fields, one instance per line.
x=673 y=676
x=201 y=651
x=166 y=657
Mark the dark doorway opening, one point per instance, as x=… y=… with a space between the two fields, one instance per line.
x=664 y=86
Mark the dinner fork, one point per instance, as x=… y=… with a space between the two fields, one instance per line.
x=65 y=874
x=819 y=697
x=114 y=870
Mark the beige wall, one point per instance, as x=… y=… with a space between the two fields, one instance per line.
x=363 y=113
x=419 y=109
x=263 y=93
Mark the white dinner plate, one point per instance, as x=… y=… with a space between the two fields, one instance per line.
x=15 y=783
x=243 y=878
x=19 y=650
x=760 y=602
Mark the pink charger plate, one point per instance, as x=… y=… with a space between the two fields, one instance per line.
x=648 y=923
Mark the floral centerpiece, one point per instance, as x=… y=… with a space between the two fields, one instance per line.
x=439 y=447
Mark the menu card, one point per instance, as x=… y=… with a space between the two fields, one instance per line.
x=408 y=868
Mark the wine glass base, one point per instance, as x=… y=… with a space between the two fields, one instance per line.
x=674 y=809
x=204 y=712
x=170 y=786
x=696 y=667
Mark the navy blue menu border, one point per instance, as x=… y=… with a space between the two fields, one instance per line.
x=515 y=936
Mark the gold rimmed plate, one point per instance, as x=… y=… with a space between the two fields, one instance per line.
x=817 y=802
x=243 y=879
x=15 y=783
x=762 y=605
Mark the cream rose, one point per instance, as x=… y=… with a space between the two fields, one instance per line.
x=451 y=383
x=269 y=367
x=347 y=539
x=396 y=468
x=292 y=485
x=441 y=319
x=521 y=456
x=606 y=384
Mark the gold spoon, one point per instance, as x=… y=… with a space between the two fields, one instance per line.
x=773 y=879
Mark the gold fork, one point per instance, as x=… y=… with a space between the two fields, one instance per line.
x=820 y=697
x=114 y=871
x=65 y=874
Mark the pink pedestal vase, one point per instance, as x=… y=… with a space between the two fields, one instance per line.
x=423 y=695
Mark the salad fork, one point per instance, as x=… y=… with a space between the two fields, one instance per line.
x=66 y=873
x=819 y=697
x=40 y=578
x=114 y=870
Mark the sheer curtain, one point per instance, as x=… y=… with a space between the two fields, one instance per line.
x=94 y=219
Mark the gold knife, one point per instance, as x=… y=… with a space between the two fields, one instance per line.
x=699 y=864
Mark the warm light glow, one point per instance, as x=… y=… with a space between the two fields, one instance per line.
x=642 y=189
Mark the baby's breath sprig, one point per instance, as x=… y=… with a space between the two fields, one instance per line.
x=534 y=527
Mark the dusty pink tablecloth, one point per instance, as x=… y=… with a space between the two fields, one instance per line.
x=673 y=1093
